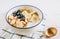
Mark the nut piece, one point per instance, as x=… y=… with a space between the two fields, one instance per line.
x=11 y=17
x=13 y=22
x=20 y=24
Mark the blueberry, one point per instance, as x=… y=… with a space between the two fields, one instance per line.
x=22 y=17
x=19 y=15
x=16 y=13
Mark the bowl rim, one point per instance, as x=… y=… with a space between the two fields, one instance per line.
x=26 y=27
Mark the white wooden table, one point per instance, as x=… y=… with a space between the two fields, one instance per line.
x=50 y=9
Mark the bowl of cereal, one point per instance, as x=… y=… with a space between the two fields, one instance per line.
x=24 y=16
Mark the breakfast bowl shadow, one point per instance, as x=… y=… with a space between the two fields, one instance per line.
x=32 y=26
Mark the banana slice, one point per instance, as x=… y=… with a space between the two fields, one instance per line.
x=26 y=14
x=34 y=17
x=28 y=9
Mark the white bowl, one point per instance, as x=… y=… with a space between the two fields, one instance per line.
x=33 y=7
